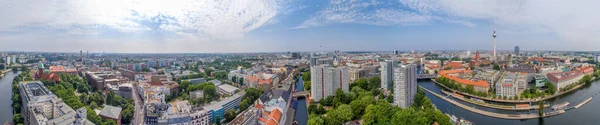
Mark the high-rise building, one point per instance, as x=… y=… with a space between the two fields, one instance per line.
x=396 y=52
x=7 y=60
x=517 y=49
x=325 y=80
x=14 y=59
x=405 y=85
x=387 y=77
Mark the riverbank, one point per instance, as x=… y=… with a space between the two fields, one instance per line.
x=495 y=106
x=509 y=101
x=493 y=114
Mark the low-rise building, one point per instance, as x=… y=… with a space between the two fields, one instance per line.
x=111 y=113
x=227 y=89
x=462 y=77
x=563 y=79
x=540 y=80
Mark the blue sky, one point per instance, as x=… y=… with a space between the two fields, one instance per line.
x=201 y=26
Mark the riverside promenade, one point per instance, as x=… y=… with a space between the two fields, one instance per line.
x=493 y=114
x=495 y=106
x=508 y=101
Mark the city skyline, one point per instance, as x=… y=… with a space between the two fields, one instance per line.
x=291 y=25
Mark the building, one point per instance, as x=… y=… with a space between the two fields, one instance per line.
x=263 y=81
x=517 y=49
x=42 y=107
x=53 y=72
x=200 y=117
x=111 y=113
x=325 y=80
x=387 y=76
x=462 y=77
x=124 y=90
x=7 y=60
x=508 y=85
x=489 y=76
x=196 y=80
x=226 y=89
x=563 y=79
x=540 y=80
x=218 y=109
x=405 y=85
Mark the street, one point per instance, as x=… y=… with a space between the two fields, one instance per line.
x=138 y=116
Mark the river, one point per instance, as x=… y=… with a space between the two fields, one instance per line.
x=301 y=112
x=6 y=95
x=585 y=115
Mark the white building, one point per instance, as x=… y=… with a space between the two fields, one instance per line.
x=387 y=74
x=405 y=85
x=325 y=80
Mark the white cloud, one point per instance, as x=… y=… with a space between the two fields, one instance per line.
x=575 y=22
x=372 y=13
x=217 y=19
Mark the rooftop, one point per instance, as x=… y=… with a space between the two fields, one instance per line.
x=111 y=112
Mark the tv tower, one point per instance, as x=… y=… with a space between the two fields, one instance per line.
x=494 y=57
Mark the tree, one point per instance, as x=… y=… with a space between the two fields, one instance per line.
x=315 y=120
x=541 y=108
x=229 y=115
x=306 y=76
x=127 y=114
x=378 y=113
x=374 y=83
x=496 y=67
x=360 y=104
x=241 y=81
x=551 y=89
x=321 y=110
x=312 y=109
x=339 y=115
x=307 y=85
x=218 y=120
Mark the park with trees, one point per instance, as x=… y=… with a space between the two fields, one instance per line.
x=366 y=102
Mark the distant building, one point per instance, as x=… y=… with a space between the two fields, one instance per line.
x=517 y=49
x=296 y=55
x=325 y=80
x=405 y=85
x=196 y=80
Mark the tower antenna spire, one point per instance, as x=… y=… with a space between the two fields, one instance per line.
x=494 y=35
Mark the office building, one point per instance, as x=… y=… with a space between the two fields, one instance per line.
x=405 y=85
x=325 y=80
x=517 y=49
x=387 y=74
x=42 y=107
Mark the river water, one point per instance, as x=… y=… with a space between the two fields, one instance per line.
x=6 y=95
x=301 y=112
x=588 y=114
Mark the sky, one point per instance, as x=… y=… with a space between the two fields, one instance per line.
x=209 y=26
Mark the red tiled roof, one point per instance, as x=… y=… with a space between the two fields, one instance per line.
x=561 y=76
x=446 y=73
